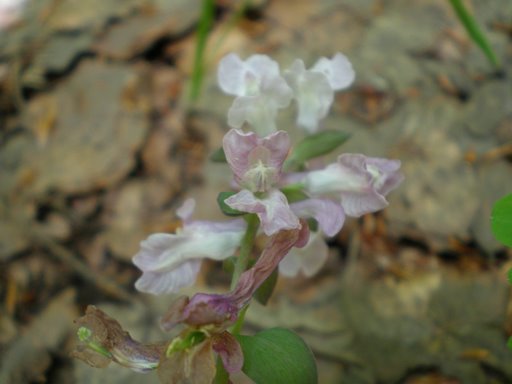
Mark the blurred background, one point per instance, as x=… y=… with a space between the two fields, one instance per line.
x=109 y=110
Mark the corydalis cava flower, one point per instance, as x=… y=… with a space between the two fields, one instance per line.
x=360 y=182
x=190 y=356
x=256 y=164
x=172 y=261
x=314 y=88
x=259 y=89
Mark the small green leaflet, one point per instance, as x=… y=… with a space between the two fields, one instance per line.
x=501 y=220
x=315 y=145
x=226 y=209
x=277 y=356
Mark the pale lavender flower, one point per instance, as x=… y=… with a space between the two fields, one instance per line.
x=259 y=88
x=172 y=261
x=361 y=182
x=256 y=164
x=313 y=89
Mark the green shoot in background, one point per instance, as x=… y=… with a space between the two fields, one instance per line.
x=474 y=31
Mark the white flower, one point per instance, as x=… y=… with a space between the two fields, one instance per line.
x=314 y=88
x=172 y=261
x=259 y=88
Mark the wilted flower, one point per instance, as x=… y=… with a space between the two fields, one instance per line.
x=210 y=314
x=172 y=261
x=103 y=340
x=361 y=182
x=313 y=89
x=259 y=88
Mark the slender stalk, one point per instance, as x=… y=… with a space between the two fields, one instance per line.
x=474 y=31
x=237 y=327
x=245 y=248
x=203 y=30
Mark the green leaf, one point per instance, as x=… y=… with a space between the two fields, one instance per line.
x=276 y=356
x=218 y=156
x=264 y=292
x=294 y=193
x=474 y=30
x=501 y=220
x=509 y=343
x=226 y=209
x=315 y=145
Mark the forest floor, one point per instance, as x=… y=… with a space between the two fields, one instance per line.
x=99 y=145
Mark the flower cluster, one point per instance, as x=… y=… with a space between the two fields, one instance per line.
x=277 y=196
x=261 y=91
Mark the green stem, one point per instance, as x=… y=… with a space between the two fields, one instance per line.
x=474 y=30
x=203 y=30
x=245 y=248
x=237 y=327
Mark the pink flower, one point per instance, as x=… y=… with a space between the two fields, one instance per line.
x=172 y=261
x=256 y=164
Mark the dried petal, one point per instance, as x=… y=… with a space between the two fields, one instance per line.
x=106 y=334
x=227 y=347
x=193 y=366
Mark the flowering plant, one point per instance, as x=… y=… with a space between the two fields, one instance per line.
x=278 y=198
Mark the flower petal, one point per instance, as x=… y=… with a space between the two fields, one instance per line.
x=172 y=261
x=165 y=281
x=230 y=352
x=308 y=260
x=313 y=93
x=257 y=110
x=361 y=181
x=327 y=213
x=273 y=210
x=230 y=75
x=256 y=162
x=338 y=71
